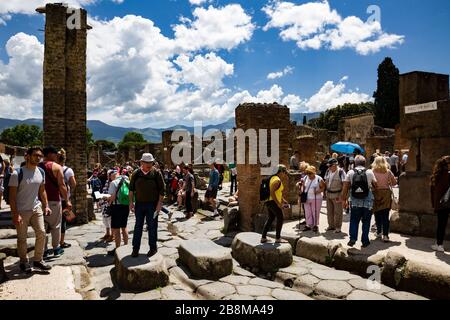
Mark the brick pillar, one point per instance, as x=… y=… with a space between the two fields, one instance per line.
x=65 y=95
x=259 y=116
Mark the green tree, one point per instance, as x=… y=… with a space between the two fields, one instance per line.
x=304 y=120
x=22 y=135
x=330 y=119
x=387 y=104
x=89 y=137
x=106 y=145
x=132 y=139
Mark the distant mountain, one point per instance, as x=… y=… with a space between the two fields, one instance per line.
x=103 y=131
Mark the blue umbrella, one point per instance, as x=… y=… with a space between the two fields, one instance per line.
x=346 y=147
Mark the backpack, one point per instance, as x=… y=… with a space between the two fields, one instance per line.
x=20 y=174
x=360 y=186
x=264 y=189
x=96 y=184
x=123 y=190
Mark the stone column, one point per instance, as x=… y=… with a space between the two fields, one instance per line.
x=65 y=95
x=259 y=116
x=429 y=134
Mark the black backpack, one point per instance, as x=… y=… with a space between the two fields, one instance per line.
x=264 y=189
x=360 y=186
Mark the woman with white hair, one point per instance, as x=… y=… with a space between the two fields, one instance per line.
x=383 y=196
x=314 y=186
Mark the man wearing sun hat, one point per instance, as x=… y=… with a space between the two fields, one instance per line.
x=146 y=194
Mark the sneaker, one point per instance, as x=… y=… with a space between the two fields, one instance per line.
x=112 y=252
x=438 y=248
x=379 y=236
x=386 y=238
x=330 y=229
x=351 y=243
x=25 y=267
x=41 y=265
x=315 y=229
x=65 y=245
x=47 y=253
x=151 y=253
x=307 y=229
x=135 y=253
x=58 y=252
x=365 y=245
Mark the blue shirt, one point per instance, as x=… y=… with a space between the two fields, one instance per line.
x=213 y=178
x=363 y=203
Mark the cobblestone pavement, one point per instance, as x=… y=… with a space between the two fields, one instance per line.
x=85 y=271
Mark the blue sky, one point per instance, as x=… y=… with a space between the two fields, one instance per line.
x=141 y=76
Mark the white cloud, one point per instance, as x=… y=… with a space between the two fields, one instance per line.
x=280 y=74
x=332 y=95
x=215 y=28
x=21 y=78
x=315 y=25
x=198 y=2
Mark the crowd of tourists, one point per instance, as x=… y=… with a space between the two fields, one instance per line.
x=362 y=189
x=40 y=191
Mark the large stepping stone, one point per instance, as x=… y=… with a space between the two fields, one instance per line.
x=142 y=273
x=248 y=250
x=205 y=259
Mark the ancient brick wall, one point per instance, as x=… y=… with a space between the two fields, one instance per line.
x=65 y=96
x=259 y=116
x=429 y=135
x=356 y=129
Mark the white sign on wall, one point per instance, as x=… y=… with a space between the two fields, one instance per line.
x=430 y=106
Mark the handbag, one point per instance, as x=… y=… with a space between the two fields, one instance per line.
x=69 y=215
x=304 y=195
x=445 y=200
x=394 y=202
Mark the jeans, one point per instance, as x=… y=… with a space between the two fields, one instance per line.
x=274 y=212
x=145 y=211
x=382 y=221
x=360 y=214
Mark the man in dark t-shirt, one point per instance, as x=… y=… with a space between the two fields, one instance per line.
x=147 y=185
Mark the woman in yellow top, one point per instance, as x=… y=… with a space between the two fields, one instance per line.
x=275 y=204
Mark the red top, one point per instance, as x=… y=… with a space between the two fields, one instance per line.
x=51 y=183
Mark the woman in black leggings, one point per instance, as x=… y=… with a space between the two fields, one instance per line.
x=440 y=183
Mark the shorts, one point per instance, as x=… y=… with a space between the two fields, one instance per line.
x=211 y=193
x=119 y=216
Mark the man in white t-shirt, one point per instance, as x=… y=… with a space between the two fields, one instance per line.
x=360 y=182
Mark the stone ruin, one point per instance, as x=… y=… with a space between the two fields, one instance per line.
x=425 y=119
x=65 y=95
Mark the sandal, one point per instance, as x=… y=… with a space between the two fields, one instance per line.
x=280 y=241
x=263 y=240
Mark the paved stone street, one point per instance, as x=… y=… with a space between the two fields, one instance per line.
x=85 y=271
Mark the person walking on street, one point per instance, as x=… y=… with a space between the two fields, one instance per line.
x=147 y=185
x=314 y=186
x=120 y=208
x=394 y=162
x=233 y=178
x=360 y=182
x=440 y=189
x=213 y=187
x=71 y=184
x=383 y=196
x=29 y=205
x=334 y=180
x=294 y=162
x=54 y=187
x=189 y=189
x=275 y=204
